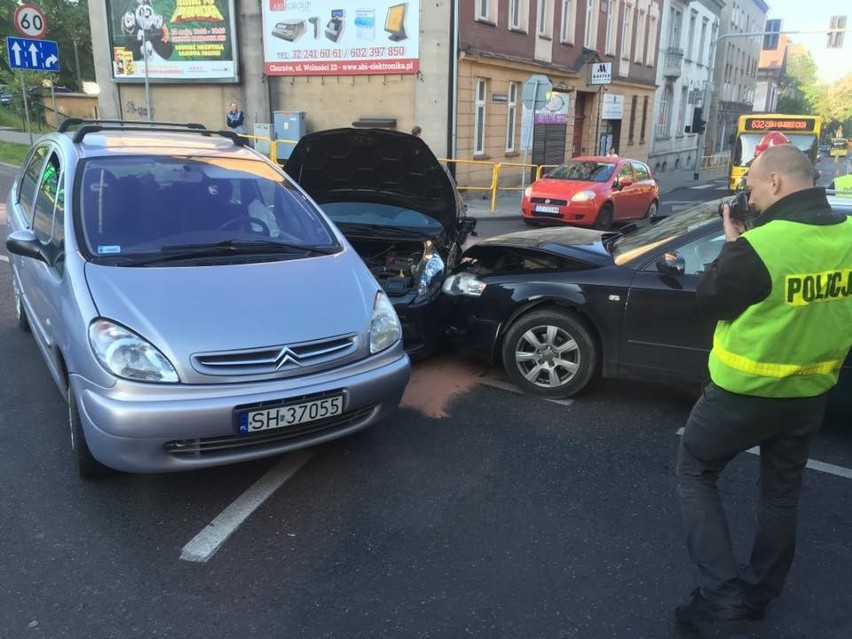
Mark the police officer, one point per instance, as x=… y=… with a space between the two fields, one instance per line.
x=781 y=293
x=842 y=184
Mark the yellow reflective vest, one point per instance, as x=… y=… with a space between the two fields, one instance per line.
x=843 y=183
x=793 y=343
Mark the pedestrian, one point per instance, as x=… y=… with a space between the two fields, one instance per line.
x=416 y=131
x=612 y=153
x=783 y=307
x=235 y=119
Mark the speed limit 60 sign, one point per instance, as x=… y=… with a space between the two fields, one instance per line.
x=30 y=21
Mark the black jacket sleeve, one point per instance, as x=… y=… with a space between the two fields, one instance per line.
x=736 y=280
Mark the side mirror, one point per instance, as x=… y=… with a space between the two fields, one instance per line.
x=624 y=181
x=466 y=226
x=671 y=263
x=26 y=244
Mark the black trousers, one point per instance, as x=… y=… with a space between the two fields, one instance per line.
x=722 y=425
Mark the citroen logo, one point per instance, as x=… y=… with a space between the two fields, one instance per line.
x=286 y=356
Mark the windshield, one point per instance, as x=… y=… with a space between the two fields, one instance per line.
x=380 y=215
x=131 y=206
x=585 y=171
x=747 y=143
x=646 y=238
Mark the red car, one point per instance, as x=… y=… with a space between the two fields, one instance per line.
x=592 y=191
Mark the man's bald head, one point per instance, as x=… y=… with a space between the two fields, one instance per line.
x=776 y=173
x=787 y=161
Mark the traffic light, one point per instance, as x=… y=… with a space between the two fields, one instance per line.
x=835 y=38
x=698 y=125
x=770 y=39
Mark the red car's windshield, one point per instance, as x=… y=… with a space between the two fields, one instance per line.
x=584 y=171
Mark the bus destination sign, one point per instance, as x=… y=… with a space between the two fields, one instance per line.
x=787 y=124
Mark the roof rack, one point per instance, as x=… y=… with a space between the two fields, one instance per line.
x=93 y=126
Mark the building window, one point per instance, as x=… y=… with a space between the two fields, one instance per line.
x=652 y=41
x=611 y=27
x=627 y=32
x=592 y=11
x=674 y=34
x=566 y=29
x=639 y=51
x=632 y=128
x=483 y=9
x=644 y=120
x=517 y=15
x=681 y=113
x=543 y=22
x=665 y=113
x=511 y=117
x=699 y=57
x=479 y=117
x=690 y=42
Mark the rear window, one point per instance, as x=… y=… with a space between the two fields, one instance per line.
x=137 y=205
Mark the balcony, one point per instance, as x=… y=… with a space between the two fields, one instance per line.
x=673 y=62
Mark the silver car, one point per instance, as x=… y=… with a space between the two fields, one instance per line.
x=192 y=303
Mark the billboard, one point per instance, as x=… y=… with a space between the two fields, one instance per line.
x=329 y=37
x=182 y=40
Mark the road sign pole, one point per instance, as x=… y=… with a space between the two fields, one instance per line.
x=26 y=108
x=532 y=133
x=147 y=84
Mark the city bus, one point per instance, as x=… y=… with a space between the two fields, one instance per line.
x=802 y=130
x=839 y=148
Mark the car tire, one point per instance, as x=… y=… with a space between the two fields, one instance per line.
x=604 y=219
x=653 y=210
x=21 y=312
x=87 y=466
x=530 y=348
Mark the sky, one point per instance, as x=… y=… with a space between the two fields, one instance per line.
x=832 y=64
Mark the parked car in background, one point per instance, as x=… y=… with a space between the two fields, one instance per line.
x=5 y=96
x=592 y=191
x=399 y=208
x=193 y=305
x=558 y=306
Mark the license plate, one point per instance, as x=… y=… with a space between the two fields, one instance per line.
x=541 y=208
x=261 y=419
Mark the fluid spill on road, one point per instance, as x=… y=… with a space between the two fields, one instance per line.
x=438 y=380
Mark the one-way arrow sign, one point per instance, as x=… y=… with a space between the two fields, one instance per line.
x=33 y=55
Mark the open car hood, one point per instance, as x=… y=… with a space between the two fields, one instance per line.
x=374 y=165
x=576 y=243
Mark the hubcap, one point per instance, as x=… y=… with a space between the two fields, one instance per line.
x=547 y=356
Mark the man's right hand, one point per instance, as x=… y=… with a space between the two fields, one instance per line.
x=733 y=229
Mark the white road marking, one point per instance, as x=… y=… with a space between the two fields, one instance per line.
x=3 y=258
x=813 y=464
x=205 y=544
x=496 y=383
x=703 y=186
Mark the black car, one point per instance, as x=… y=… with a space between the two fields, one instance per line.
x=400 y=210
x=557 y=306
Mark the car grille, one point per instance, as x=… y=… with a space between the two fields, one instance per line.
x=548 y=200
x=270 y=439
x=274 y=359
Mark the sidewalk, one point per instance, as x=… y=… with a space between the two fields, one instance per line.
x=12 y=135
x=509 y=202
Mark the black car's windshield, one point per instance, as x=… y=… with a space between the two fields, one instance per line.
x=143 y=205
x=583 y=170
x=645 y=238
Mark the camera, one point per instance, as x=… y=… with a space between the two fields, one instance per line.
x=740 y=211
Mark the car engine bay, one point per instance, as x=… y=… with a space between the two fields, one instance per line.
x=394 y=263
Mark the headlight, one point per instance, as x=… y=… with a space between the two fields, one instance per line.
x=385 y=329
x=464 y=284
x=430 y=273
x=583 y=196
x=528 y=191
x=124 y=354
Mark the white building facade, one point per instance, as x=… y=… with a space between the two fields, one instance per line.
x=684 y=82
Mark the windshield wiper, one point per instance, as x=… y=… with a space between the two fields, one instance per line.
x=177 y=252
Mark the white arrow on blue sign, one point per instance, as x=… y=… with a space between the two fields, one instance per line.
x=33 y=55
